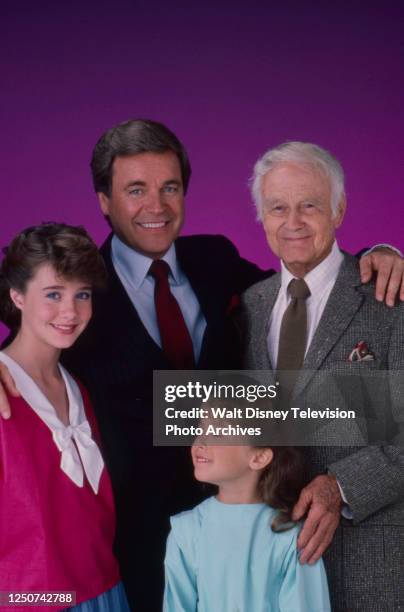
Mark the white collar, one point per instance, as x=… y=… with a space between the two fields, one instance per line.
x=317 y=279
x=84 y=454
x=135 y=267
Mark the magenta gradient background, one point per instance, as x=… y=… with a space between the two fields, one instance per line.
x=230 y=78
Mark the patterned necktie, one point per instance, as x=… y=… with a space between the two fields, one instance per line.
x=293 y=336
x=175 y=338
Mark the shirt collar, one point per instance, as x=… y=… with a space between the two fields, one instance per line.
x=134 y=266
x=319 y=278
x=78 y=457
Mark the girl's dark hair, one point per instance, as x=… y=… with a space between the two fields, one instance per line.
x=68 y=249
x=280 y=484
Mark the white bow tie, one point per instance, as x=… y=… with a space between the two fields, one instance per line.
x=88 y=452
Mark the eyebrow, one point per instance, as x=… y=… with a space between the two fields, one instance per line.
x=59 y=287
x=172 y=181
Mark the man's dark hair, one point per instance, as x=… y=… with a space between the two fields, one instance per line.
x=131 y=138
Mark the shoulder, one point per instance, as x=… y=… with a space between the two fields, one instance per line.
x=190 y=519
x=350 y=275
x=186 y=526
x=260 y=291
x=212 y=244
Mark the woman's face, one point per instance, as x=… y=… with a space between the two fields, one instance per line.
x=54 y=310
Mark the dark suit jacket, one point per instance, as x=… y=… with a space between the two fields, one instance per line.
x=115 y=358
x=365 y=562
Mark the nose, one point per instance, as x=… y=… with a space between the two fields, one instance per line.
x=294 y=220
x=69 y=308
x=155 y=202
x=200 y=441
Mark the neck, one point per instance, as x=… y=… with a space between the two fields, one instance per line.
x=229 y=494
x=38 y=359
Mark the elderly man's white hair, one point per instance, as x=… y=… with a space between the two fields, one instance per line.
x=302 y=153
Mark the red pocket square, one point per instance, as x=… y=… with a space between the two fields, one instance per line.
x=361 y=352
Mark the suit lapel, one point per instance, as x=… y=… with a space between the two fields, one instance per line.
x=341 y=307
x=267 y=295
x=208 y=288
x=130 y=328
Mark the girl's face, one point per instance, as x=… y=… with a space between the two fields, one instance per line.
x=54 y=310
x=223 y=465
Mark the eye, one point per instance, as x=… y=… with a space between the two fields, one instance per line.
x=277 y=209
x=308 y=207
x=53 y=295
x=83 y=295
x=171 y=189
x=136 y=191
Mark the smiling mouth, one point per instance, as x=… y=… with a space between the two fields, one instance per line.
x=64 y=329
x=153 y=225
x=202 y=460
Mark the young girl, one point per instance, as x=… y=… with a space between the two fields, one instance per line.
x=57 y=518
x=237 y=551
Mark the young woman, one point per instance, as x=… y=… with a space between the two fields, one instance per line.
x=57 y=517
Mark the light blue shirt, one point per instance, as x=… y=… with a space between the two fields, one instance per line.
x=225 y=557
x=132 y=268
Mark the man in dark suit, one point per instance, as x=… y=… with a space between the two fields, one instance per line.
x=299 y=191
x=140 y=173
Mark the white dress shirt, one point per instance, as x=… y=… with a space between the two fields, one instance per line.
x=320 y=281
x=79 y=453
x=133 y=270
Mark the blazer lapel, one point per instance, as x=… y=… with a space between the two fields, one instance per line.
x=267 y=294
x=210 y=289
x=129 y=327
x=341 y=307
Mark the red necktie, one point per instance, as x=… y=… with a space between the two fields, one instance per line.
x=175 y=338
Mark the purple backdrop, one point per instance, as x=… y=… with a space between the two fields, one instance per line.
x=231 y=79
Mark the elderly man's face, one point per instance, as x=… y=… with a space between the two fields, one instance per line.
x=146 y=205
x=297 y=216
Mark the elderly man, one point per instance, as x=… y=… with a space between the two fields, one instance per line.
x=312 y=316
x=165 y=307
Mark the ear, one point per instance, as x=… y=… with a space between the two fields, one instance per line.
x=339 y=216
x=104 y=202
x=17 y=298
x=261 y=457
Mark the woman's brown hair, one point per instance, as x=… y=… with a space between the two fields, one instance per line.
x=68 y=249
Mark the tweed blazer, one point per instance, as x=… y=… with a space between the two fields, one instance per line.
x=372 y=476
x=365 y=561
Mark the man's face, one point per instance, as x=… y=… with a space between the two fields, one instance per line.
x=297 y=216
x=146 y=205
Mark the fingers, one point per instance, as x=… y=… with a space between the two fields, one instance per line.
x=396 y=282
x=389 y=267
x=366 y=270
x=321 y=539
x=302 y=504
x=384 y=267
x=5 y=412
x=7 y=382
x=310 y=526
